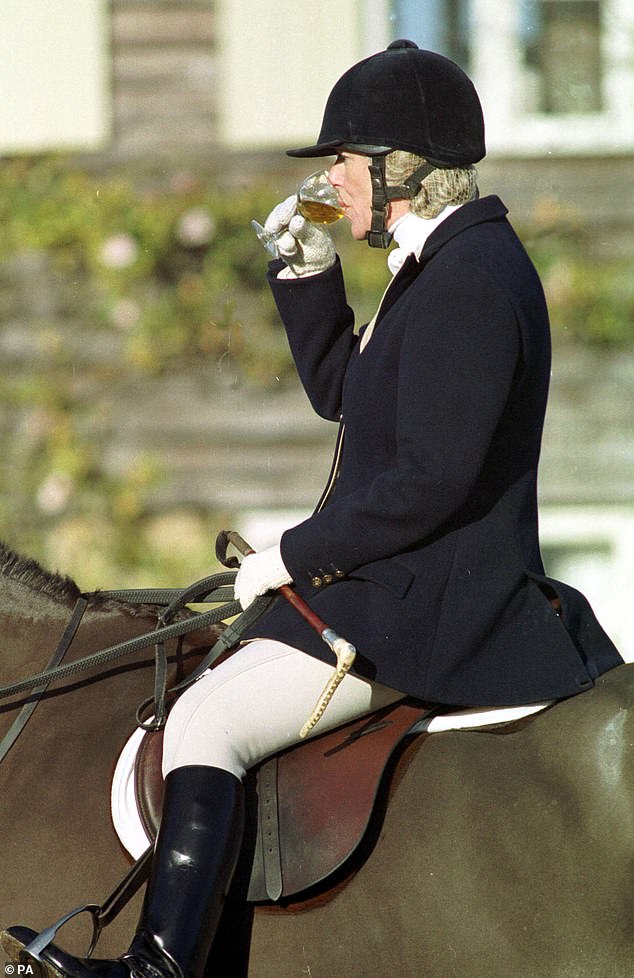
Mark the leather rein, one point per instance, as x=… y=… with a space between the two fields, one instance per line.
x=63 y=645
x=214 y=589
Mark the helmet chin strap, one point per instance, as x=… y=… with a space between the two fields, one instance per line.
x=378 y=236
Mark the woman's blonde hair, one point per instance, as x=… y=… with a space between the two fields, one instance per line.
x=455 y=186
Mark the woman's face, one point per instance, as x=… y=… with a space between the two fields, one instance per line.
x=350 y=174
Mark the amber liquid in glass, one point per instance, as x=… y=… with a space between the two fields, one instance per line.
x=318 y=213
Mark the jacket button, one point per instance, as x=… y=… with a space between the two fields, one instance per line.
x=339 y=573
x=328 y=578
x=316 y=581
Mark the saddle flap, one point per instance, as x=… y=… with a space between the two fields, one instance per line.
x=325 y=792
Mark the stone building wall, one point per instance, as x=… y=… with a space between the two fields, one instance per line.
x=163 y=79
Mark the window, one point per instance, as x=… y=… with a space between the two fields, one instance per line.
x=561 y=43
x=554 y=76
x=437 y=25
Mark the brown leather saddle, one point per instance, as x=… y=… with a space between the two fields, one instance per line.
x=314 y=801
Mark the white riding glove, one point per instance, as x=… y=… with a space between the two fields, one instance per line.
x=305 y=248
x=260 y=572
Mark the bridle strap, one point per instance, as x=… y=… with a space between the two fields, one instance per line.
x=27 y=710
x=175 y=630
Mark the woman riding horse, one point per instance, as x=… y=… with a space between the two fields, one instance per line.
x=425 y=552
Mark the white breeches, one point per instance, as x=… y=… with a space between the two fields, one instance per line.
x=255 y=703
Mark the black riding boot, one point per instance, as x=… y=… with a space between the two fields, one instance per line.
x=195 y=854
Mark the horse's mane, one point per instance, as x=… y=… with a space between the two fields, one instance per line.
x=60 y=587
x=27 y=571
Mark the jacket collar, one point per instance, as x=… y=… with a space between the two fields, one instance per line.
x=475 y=212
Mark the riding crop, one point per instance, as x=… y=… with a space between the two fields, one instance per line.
x=344 y=651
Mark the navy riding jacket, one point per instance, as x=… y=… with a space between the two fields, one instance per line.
x=425 y=554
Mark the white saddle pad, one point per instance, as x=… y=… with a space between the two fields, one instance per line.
x=478 y=717
x=125 y=813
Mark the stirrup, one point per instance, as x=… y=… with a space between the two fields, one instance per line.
x=47 y=936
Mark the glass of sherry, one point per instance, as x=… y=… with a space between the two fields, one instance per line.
x=317 y=201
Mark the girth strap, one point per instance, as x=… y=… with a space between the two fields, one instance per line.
x=270 y=829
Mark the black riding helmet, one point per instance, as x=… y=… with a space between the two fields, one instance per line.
x=402 y=98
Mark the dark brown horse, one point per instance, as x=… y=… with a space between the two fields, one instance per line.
x=504 y=852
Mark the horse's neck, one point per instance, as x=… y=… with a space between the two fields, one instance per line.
x=30 y=626
x=32 y=623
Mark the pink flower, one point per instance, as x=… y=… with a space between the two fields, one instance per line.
x=196 y=228
x=119 y=251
